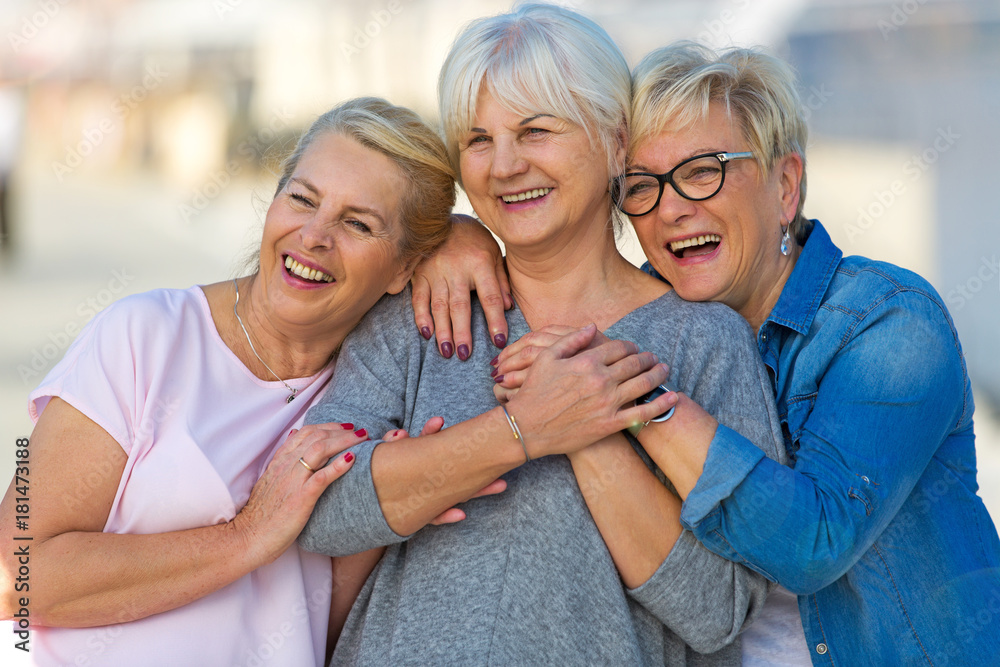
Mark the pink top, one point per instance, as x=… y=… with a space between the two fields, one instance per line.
x=199 y=428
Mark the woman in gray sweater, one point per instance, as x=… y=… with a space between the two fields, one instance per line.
x=583 y=559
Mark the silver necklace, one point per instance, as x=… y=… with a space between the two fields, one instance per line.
x=252 y=349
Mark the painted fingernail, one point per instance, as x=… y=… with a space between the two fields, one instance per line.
x=495 y=360
x=493 y=372
x=446 y=350
x=463 y=352
x=348 y=457
x=347 y=427
x=361 y=433
x=425 y=332
x=395 y=433
x=498 y=379
x=500 y=340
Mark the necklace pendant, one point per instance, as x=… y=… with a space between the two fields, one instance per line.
x=291 y=397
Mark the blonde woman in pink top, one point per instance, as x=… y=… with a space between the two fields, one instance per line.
x=169 y=470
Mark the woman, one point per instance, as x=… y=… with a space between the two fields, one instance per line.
x=535 y=106
x=160 y=522
x=877 y=529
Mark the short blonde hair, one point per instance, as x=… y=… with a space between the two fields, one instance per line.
x=399 y=134
x=538 y=58
x=673 y=87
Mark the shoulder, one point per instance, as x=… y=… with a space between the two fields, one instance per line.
x=154 y=312
x=701 y=321
x=861 y=285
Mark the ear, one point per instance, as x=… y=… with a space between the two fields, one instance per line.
x=789 y=171
x=400 y=280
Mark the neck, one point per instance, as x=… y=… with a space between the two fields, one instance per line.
x=574 y=281
x=282 y=349
x=763 y=298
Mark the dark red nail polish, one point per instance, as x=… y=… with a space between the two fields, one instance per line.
x=361 y=433
x=347 y=427
x=493 y=373
x=498 y=379
x=348 y=457
x=463 y=352
x=425 y=332
x=446 y=350
x=495 y=360
x=500 y=340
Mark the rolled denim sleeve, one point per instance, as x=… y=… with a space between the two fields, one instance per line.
x=885 y=399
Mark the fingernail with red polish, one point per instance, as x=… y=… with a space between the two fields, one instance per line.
x=361 y=433
x=446 y=350
x=395 y=433
x=348 y=457
x=463 y=352
x=347 y=427
x=425 y=332
x=498 y=379
x=500 y=340
x=495 y=360
x=493 y=373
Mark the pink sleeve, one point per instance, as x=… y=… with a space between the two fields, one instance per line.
x=98 y=375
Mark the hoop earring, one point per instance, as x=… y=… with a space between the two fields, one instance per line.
x=786 y=246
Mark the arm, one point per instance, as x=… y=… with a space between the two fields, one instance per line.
x=408 y=483
x=83 y=577
x=470 y=260
x=851 y=475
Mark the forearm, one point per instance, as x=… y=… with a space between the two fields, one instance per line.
x=418 y=478
x=679 y=446
x=349 y=576
x=639 y=518
x=84 y=579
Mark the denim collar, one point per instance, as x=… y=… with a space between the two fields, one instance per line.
x=802 y=295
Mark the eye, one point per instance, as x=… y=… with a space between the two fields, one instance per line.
x=536 y=132
x=300 y=199
x=358 y=225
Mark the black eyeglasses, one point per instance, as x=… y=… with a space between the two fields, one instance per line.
x=697 y=178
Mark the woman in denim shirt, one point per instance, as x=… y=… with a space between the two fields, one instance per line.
x=882 y=550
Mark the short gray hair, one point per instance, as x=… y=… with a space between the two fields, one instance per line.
x=673 y=86
x=538 y=58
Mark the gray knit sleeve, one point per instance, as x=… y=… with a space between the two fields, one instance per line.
x=706 y=599
x=369 y=390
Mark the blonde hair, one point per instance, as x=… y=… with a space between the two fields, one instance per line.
x=538 y=58
x=399 y=134
x=674 y=86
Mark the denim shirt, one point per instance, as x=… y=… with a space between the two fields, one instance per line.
x=876 y=526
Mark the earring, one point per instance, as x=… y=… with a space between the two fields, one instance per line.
x=786 y=246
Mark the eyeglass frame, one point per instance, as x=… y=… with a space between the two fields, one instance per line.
x=668 y=177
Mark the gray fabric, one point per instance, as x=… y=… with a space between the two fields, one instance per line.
x=526 y=578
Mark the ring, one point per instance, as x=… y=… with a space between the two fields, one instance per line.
x=307 y=466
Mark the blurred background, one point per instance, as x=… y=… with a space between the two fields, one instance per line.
x=138 y=140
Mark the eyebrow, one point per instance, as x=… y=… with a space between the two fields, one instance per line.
x=351 y=207
x=479 y=130
x=698 y=151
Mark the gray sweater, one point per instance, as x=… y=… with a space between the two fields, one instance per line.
x=526 y=578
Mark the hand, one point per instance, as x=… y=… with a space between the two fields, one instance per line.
x=283 y=498
x=453 y=515
x=470 y=260
x=512 y=363
x=573 y=396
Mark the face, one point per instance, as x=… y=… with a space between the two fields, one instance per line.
x=533 y=180
x=732 y=240
x=331 y=235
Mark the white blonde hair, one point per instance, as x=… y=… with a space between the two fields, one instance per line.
x=538 y=59
x=673 y=87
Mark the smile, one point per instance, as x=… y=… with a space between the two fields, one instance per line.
x=677 y=247
x=524 y=196
x=305 y=272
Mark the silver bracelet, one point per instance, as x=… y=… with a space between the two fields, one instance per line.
x=517 y=432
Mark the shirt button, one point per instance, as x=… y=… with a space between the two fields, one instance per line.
x=821 y=649
x=865 y=480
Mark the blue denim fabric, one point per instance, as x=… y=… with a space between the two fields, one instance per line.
x=876 y=526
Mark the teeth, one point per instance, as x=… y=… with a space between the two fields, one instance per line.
x=697 y=240
x=530 y=194
x=305 y=272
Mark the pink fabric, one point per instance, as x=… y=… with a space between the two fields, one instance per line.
x=199 y=429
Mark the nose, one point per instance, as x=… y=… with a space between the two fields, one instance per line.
x=507 y=160
x=673 y=208
x=317 y=232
